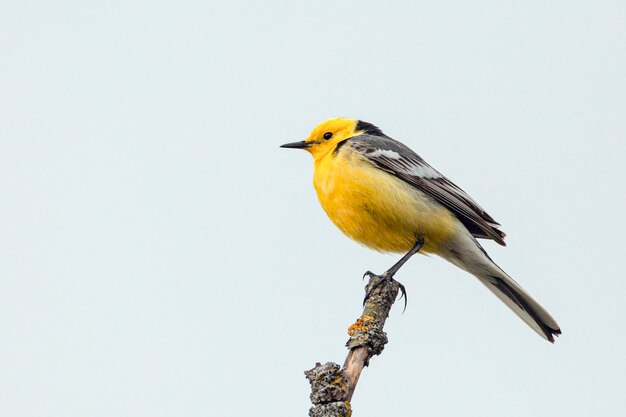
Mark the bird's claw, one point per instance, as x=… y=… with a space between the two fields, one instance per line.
x=369 y=274
x=388 y=281
x=403 y=295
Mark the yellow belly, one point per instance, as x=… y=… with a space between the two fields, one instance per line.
x=377 y=209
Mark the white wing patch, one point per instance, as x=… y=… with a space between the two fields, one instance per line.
x=424 y=171
x=385 y=152
x=405 y=163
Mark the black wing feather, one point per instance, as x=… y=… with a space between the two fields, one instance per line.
x=398 y=159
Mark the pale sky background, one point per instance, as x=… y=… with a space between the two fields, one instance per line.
x=161 y=256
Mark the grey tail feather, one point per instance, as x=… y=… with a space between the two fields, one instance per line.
x=522 y=301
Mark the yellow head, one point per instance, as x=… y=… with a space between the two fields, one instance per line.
x=326 y=136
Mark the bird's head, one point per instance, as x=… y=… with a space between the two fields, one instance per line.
x=326 y=135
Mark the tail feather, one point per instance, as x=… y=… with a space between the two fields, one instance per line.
x=523 y=305
x=465 y=252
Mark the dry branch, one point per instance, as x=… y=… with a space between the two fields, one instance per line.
x=332 y=387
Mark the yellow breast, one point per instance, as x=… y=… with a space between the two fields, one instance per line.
x=376 y=208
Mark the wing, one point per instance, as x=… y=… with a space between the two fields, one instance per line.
x=399 y=160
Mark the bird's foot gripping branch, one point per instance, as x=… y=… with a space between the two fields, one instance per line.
x=332 y=387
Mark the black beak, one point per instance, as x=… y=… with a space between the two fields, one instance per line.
x=297 y=145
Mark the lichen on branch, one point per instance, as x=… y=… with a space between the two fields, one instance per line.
x=332 y=387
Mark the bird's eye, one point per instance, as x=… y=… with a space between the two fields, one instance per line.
x=328 y=135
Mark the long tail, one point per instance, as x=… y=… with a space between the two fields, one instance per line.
x=466 y=253
x=523 y=305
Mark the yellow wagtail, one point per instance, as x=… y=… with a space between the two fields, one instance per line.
x=383 y=195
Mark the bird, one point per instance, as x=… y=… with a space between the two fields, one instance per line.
x=383 y=195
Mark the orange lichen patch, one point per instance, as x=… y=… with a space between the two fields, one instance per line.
x=338 y=381
x=348 y=409
x=360 y=325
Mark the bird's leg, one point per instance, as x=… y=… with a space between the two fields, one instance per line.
x=387 y=276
